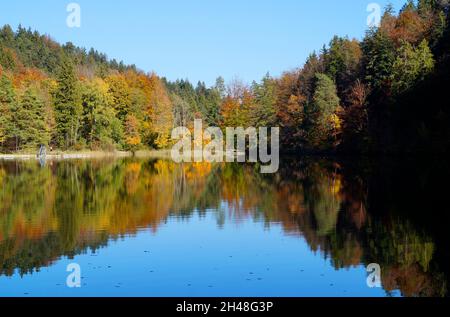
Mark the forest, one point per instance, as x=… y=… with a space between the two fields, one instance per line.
x=383 y=94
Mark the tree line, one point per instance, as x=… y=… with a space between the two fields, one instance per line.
x=385 y=93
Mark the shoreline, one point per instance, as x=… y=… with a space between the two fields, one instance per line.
x=87 y=155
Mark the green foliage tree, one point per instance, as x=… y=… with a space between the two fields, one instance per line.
x=265 y=98
x=378 y=59
x=220 y=86
x=30 y=120
x=181 y=112
x=68 y=107
x=7 y=105
x=185 y=90
x=323 y=121
x=307 y=76
x=342 y=62
x=411 y=66
x=208 y=101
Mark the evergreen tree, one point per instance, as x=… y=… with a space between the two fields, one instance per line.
x=220 y=86
x=342 y=63
x=181 y=111
x=7 y=105
x=209 y=100
x=68 y=108
x=324 y=123
x=265 y=98
x=7 y=36
x=378 y=59
x=306 y=79
x=411 y=66
x=30 y=121
x=426 y=5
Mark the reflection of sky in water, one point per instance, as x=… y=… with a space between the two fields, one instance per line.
x=196 y=257
x=207 y=230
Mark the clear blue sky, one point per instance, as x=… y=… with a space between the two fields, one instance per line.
x=199 y=39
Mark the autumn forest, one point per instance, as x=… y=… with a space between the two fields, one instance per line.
x=384 y=94
x=362 y=178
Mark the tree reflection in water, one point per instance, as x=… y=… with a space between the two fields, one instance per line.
x=353 y=214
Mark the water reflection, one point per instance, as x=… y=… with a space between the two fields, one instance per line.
x=375 y=213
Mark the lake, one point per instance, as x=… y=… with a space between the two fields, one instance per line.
x=147 y=227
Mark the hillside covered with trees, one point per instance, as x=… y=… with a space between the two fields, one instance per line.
x=386 y=93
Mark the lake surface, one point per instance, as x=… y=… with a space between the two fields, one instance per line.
x=144 y=227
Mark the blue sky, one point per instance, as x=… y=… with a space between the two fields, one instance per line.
x=199 y=39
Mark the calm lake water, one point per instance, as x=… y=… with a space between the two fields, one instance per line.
x=154 y=228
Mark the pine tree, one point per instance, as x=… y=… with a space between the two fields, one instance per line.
x=7 y=104
x=209 y=100
x=378 y=59
x=265 y=98
x=68 y=108
x=181 y=111
x=411 y=66
x=220 y=86
x=29 y=118
x=426 y=5
x=342 y=63
x=324 y=123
